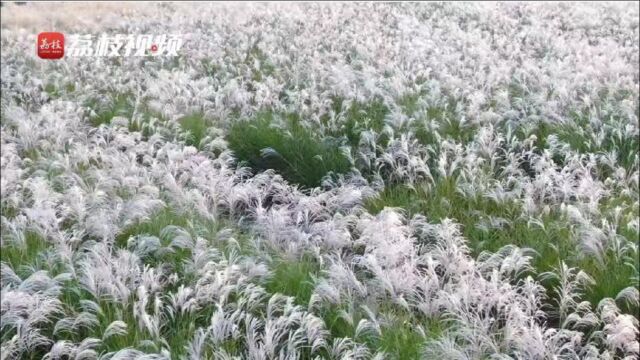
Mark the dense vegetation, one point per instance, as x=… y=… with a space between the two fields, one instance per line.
x=323 y=181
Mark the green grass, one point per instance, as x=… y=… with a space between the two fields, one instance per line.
x=110 y=106
x=266 y=67
x=209 y=68
x=410 y=103
x=578 y=132
x=553 y=243
x=289 y=277
x=155 y=225
x=179 y=329
x=444 y=118
x=398 y=338
x=610 y=277
x=152 y=226
x=52 y=91
x=362 y=116
x=613 y=273
x=191 y=128
x=29 y=255
x=32 y=154
x=8 y=211
x=291 y=150
x=195 y=127
x=293 y=278
x=449 y=128
x=110 y=311
x=55 y=92
x=71 y=296
x=443 y=201
x=354 y=118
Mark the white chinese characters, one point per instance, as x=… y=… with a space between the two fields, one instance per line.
x=87 y=45
x=53 y=45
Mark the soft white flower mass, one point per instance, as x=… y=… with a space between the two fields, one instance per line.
x=323 y=181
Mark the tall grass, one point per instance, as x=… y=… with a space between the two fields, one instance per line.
x=108 y=106
x=294 y=278
x=553 y=242
x=287 y=147
x=195 y=126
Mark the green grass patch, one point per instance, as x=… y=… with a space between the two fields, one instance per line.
x=554 y=242
x=152 y=226
x=449 y=128
x=399 y=337
x=294 y=278
x=191 y=128
x=410 y=104
x=441 y=120
x=354 y=118
x=110 y=312
x=29 y=254
x=209 y=68
x=444 y=201
x=177 y=328
x=195 y=226
x=616 y=271
x=579 y=132
x=265 y=66
x=56 y=92
x=8 y=210
x=32 y=154
x=290 y=149
x=610 y=276
x=195 y=126
x=363 y=116
x=110 y=106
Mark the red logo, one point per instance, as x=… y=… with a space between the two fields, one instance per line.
x=50 y=45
